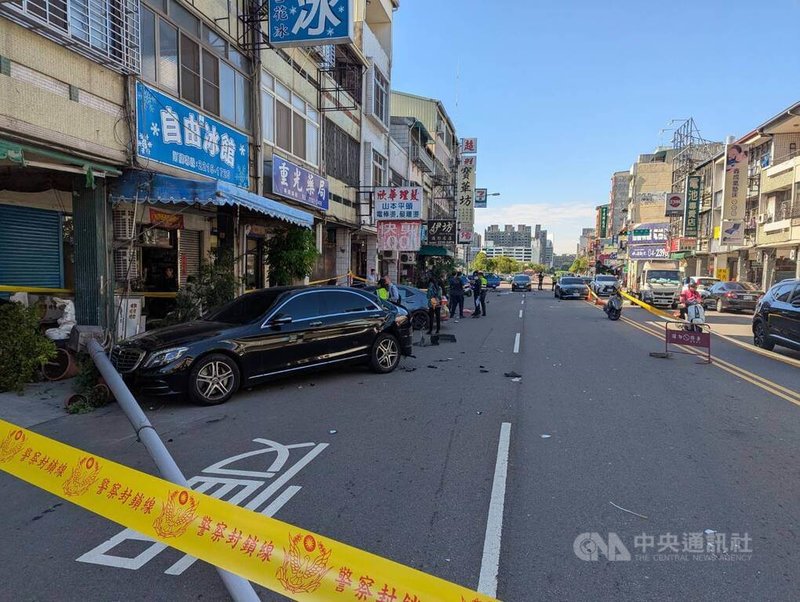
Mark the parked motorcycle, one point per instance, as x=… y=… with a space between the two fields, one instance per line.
x=613 y=306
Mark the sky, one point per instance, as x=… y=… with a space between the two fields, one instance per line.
x=562 y=93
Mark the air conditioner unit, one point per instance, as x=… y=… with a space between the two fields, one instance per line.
x=126 y=264
x=762 y=218
x=388 y=254
x=405 y=258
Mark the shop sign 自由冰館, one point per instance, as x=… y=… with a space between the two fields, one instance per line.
x=172 y=133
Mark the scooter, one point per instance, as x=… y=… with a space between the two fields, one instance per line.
x=613 y=306
x=695 y=317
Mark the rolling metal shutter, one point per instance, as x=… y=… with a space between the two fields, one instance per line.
x=190 y=250
x=31 y=251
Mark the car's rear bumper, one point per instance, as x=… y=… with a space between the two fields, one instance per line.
x=736 y=304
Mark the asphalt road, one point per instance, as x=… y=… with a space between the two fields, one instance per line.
x=403 y=465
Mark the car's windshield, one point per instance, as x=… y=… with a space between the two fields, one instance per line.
x=571 y=281
x=663 y=277
x=245 y=309
x=522 y=278
x=742 y=286
x=606 y=279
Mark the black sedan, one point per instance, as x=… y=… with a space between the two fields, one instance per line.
x=777 y=317
x=571 y=287
x=521 y=282
x=733 y=296
x=263 y=335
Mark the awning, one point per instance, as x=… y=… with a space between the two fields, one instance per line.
x=681 y=254
x=147 y=187
x=432 y=251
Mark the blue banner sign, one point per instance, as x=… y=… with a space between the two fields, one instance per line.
x=310 y=22
x=172 y=133
x=298 y=184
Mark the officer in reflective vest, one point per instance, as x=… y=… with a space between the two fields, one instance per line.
x=484 y=289
x=382 y=290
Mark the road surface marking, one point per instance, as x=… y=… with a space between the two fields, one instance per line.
x=520 y=314
x=522 y=302
x=490 y=563
x=516 y=343
x=225 y=481
x=754 y=379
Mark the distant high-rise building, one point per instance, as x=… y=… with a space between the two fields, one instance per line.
x=508 y=236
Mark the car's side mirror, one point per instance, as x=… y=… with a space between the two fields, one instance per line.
x=796 y=303
x=280 y=320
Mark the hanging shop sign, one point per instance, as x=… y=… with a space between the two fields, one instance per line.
x=465 y=191
x=398 y=235
x=648 y=252
x=674 y=204
x=174 y=134
x=603 y=221
x=733 y=205
x=469 y=146
x=732 y=233
x=691 y=215
x=441 y=232
x=310 y=22
x=465 y=236
x=165 y=220
x=398 y=202
x=649 y=234
x=294 y=182
x=481 y=198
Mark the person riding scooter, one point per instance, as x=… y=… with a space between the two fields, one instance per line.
x=691 y=303
x=613 y=306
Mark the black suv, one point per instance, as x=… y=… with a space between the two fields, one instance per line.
x=262 y=335
x=777 y=317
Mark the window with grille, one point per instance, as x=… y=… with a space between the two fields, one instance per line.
x=342 y=155
x=378 y=169
x=381 y=97
x=288 y=121
x=189 y=59
x=105 y=31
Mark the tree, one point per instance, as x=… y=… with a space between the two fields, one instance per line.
x=580 y=265
x=291 y=254
x=506 y=265
x=480 y=262
x=538 y=267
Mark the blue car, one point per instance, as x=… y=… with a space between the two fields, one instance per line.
x=493 y=281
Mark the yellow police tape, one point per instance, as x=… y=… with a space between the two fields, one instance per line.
x=286 y=559
x=635 y=301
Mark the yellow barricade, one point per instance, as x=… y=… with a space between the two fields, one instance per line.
x=325 y=280
x=286 y=559
x=650 y=308
x=38 y=290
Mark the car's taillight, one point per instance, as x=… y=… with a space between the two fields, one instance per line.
x=730 y=295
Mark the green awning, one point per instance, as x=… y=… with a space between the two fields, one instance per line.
x=681 y=255
x=12 y=152
x=432 y=251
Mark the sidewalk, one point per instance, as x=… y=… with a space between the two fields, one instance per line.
x=39 y=403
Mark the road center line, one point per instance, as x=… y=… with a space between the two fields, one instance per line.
x=520 y=314
x=490 y=563
x=516 y=343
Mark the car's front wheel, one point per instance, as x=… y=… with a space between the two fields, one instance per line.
x=213 y=380
x=761 y=338
x=385 y=354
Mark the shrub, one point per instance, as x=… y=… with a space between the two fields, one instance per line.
x=23 y=349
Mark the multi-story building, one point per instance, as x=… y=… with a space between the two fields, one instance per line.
x=585 y=241
x=202 y=137
x=509 y=236
x=547 y=260
x=618 y=202
x=524 y=254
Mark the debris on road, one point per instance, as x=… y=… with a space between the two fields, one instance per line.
x=484 y=372
x=512 y=375
x=410 y=369
x=432 y=366
x=516 y=380
x=546 y=436
x=628 y=511
x=332 y=432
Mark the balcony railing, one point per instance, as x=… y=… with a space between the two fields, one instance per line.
x=105 y=31
x=421 y=158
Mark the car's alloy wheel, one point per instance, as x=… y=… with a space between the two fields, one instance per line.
x=720 y=309
x=385 y=354
x=761 y=338
x=214 y=380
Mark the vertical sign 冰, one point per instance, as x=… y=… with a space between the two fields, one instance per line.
x=692 y=213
